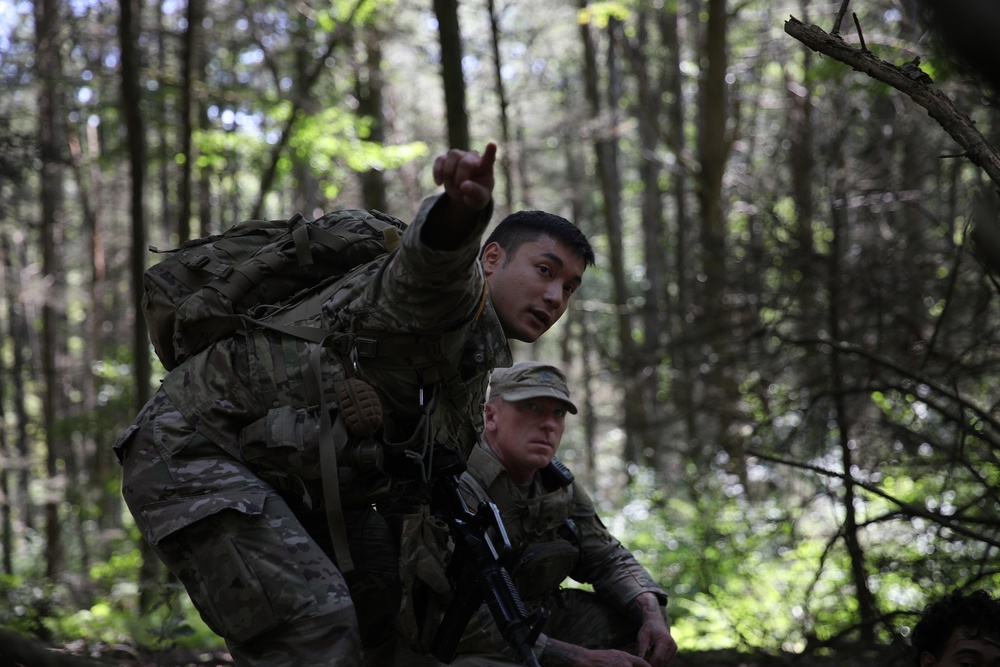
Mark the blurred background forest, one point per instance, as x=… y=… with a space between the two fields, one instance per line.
x=786 y=357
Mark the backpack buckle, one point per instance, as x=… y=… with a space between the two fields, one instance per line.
x=366 y=347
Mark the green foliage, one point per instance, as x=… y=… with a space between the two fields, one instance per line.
x=25 y=607
x=48 y=612
x=171 y=623
x=334 y=144
x=760 y=575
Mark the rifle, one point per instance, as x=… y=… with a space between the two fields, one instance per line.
x=477 y=573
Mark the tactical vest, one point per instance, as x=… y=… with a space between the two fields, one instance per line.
x=256 y=394
x=541 y=528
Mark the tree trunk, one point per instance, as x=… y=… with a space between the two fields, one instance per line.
x=609 y=178
x=653 y=309
x=129 y=32
x=17 y=322
x=504 y=207
x=6 y=500
x=721 y=391
x=190 y=59
x=51 y=141
x=852 y=537
x=681 y=357
x=450 y=36
x=370 y=84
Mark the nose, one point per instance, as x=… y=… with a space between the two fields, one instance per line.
x=549 y=422
x=553 y=294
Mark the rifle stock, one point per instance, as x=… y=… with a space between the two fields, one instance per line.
x=477 y=574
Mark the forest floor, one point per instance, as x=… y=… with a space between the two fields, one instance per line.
x=129 y=657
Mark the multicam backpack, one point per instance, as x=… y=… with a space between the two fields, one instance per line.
x=203 y=290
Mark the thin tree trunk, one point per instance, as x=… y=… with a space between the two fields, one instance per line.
x=6 y=456
x=574 y=174
x=653 y=310
x=713 y=151
x=370 y=85
x=131 y=101
x=82 y=465
x=450 y=36
x=51 y=142
x=507 y=205
x=189 y=59
x=609 y=178
x=166 y=132
x=852 y=538
x=17 y=322
x=680 y=329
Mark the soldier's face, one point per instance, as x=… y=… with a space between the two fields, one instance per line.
x=531 y=288
x=525 y=434
x=963 y=650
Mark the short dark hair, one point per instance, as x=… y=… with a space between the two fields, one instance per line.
x=526 y=226
x=976 y=613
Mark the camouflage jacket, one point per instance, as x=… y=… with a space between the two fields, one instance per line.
x=556 y=533
x=427 y=334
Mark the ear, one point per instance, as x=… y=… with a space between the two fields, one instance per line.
x=490 y=417
x=492 y=257
x=927 y=659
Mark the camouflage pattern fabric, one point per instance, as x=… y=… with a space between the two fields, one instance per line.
x=427 y=548
x=556 y=534
x=578 y=617
x=251 y=568
x=191 y=296
x=226 y=453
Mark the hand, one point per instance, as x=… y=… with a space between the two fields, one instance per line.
x=467 y=176
x=656 y=644
x=653 y=642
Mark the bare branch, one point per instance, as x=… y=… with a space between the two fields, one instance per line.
x=938 y=105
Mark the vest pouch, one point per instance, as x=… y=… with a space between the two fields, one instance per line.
x=286 y=441
x=425 y=550
x=543 y=566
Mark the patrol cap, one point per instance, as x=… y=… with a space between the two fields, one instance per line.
x=530 y=379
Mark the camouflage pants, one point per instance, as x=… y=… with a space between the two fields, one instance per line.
x=578 y=617
x=250 y=565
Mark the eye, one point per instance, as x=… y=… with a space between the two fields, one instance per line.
x=569 y=289
x=544 y=269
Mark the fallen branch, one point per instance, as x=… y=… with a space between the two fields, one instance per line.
x=19 y=651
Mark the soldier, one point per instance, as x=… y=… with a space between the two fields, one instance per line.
x=223 y=468
x=958 y=630
x=556 y=533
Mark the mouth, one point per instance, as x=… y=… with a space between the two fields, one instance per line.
x=543 y=317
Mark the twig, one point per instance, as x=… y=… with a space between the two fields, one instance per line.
x=861 y=35
x=840 y=18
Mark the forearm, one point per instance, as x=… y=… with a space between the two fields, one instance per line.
x=450 y=224
x=646 y=608
x=560 y=654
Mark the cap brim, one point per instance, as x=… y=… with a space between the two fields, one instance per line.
x=538 y=392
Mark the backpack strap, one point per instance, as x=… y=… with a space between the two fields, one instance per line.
x=330 y=432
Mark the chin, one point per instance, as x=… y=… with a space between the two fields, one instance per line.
x=530 y=335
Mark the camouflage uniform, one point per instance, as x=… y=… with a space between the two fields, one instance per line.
x=221 y=468
x=556 y=533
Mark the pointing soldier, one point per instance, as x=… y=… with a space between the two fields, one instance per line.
x=222 y=468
